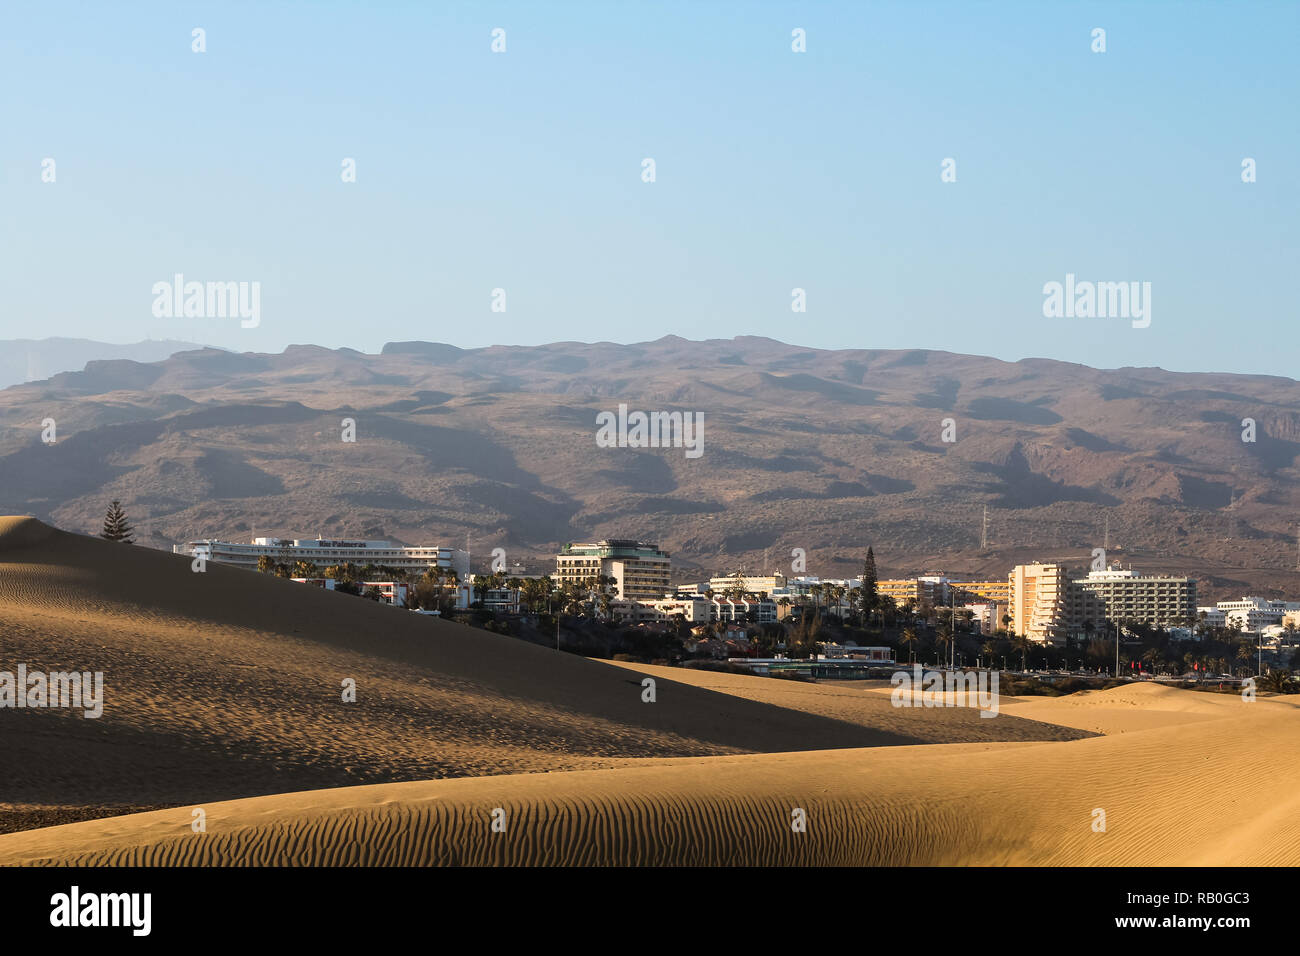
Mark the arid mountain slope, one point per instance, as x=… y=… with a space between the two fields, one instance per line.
x=828 y=451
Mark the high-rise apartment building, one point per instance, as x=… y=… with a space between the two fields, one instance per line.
x=1047 y=604
x=1040 y=602
x=640 y=571
x=1121 y=595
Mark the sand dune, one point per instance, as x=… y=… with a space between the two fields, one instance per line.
x=227 y=683
x=1126 y=709
x=867 y=703
x=223 y=692
x=1216 y=793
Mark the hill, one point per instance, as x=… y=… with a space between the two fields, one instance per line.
x=1170 y=796
x=27 y=360
x=827 y=451
x=227 y=683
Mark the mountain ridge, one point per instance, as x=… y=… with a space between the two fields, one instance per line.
x=825 y=450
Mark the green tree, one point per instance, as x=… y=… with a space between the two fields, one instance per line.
x=909 y=640
x=990 y=651
x=804 y=640
x=1021 y=642
x=944 y=639
x=869 y=587
x=1278 y=682
x=115 y=526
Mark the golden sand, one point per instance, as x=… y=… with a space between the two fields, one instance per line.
x=223 y=692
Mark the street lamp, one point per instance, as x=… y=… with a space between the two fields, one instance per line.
x=1116 y=650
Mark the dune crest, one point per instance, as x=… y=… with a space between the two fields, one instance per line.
x=1161 y=796
x=222 y=691
x=23 y=531
x=226 y=683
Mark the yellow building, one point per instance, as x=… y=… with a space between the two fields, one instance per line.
x=900 y=591
x=970 y=592
x=939 y=591
x=1039 y=601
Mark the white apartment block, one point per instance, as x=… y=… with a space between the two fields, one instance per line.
x=749 y=583
x=723 y=609
x=640 y=571
x=1123 y=595
x=694 y=610
x=324 y=552
x=390 y=592
x=698 y=609
x=1214 y=617
x=1254 y=613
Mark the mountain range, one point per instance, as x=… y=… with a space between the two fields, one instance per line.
x=827 y=451
x=27 y=360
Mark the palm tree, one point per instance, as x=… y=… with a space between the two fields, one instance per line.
x=944 y=637
x=909 y=641
x=888 y=610
x=989 y=649
x=1021 y=643
x=1278 y=682
x=1244 y=654
x=837 y=595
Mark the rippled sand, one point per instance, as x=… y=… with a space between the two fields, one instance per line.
x=223 y=692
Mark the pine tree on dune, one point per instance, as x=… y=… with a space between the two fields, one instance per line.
x=115 y=526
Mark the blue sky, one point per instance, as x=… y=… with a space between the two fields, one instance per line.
x=775 y=170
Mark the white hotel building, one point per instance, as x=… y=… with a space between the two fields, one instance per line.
x=324 y=552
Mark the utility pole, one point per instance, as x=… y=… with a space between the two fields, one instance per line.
x=952 y=626
x=1117 y=650
x=1105 y=538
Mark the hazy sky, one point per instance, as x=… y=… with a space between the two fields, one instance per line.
x=522 y=170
